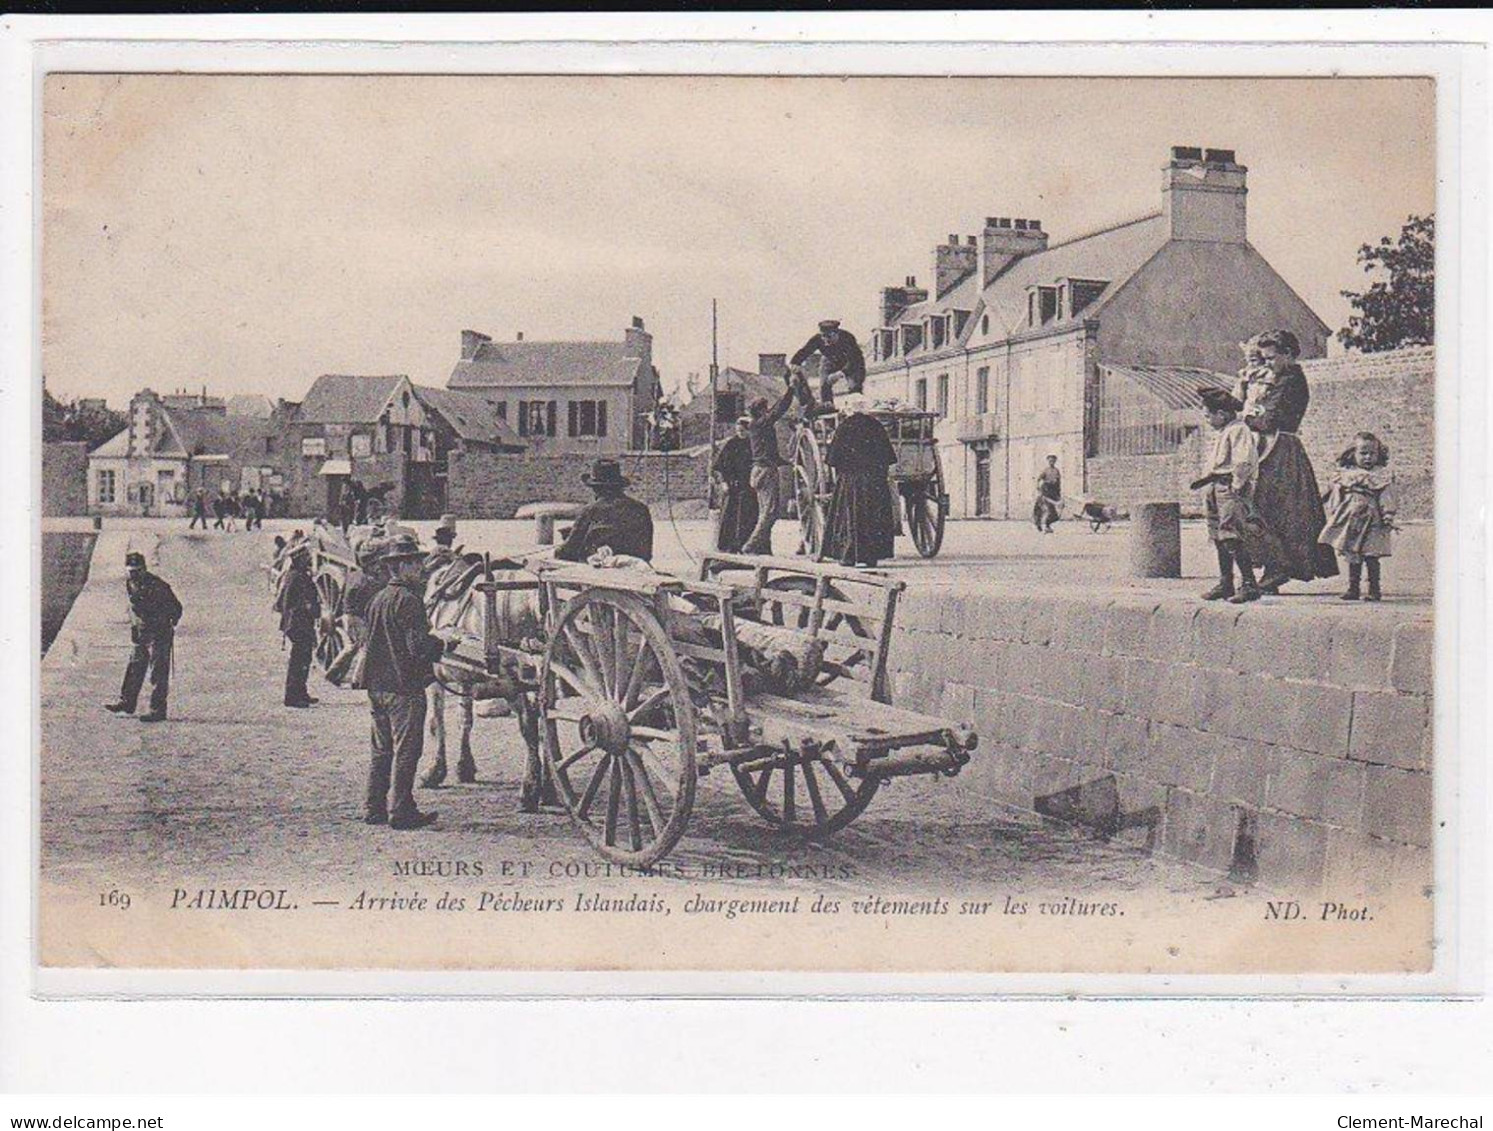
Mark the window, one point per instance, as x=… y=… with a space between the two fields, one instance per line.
x=587 y=418
x=985 y=324
x=912 y=336
x=106 y=486
x=503 y=411
x=943 y=394
x=314 y=447
x=1048 y=302
x=536 y=418
x=982 y=389
x=888 y=343
x=936 y=339
x=1084 y=293
x=920 y=392
x=362 y=444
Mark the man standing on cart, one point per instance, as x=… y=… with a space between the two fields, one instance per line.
x=840 y=354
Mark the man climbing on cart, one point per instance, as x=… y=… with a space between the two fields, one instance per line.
x=840 y=354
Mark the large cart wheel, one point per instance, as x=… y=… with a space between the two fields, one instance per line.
x=838 y=656
x=927 y=506
x=809 y=493
x=331 y=625
x=803 y=793
x=618 y=727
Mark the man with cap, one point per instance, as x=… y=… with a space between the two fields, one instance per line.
x=613 y=519
x=767 y=457
x=299 y=608
x=154 y=611
x=443 y=553
x=396 y=670
x=840 y=354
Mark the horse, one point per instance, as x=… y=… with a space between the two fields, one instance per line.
x=458 y=610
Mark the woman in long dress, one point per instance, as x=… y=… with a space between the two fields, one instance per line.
x=861 y=527
x=733 y=467
x=1287 y=496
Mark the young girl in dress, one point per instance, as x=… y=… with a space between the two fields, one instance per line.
x=1361 y=506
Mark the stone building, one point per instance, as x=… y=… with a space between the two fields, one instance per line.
x=389 y=434
x=1009 y=345
x=167 y=452
x=586 y=398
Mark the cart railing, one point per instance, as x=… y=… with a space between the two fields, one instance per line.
x=852 y=609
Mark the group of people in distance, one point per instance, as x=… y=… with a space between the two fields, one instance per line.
x=228 y=507
x=1264 y=505
x=861 y=523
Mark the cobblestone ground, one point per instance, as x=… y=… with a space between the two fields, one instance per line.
x=238 y=788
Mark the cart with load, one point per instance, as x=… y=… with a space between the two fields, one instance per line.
x=916 y=478
x=773 y=670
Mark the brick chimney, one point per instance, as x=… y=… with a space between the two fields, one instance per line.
x=772 y=364
x=471 y=340
x=952 y=261
x=1005 y=240
x=1202 y=194
x=894 y=300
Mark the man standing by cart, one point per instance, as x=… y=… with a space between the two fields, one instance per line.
x=840 y=354
x=299 y=609
x=154 y=611
x=397 y=670
x=762 y=434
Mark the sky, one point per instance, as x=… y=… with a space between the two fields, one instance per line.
x=249 y=233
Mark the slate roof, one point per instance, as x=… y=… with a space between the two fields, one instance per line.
x=337 y=398
x=1111 y=254
x=1175 y=386
x=194 y=432
x=575 y=364
x=470 y=416
x=250 y=404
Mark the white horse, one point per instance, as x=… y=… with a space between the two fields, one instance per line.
x=458 y=610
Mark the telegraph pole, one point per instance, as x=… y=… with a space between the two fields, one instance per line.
x=715 y=372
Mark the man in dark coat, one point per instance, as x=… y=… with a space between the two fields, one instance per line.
x=154 y=612
x=733 y=471
x=299 y=609
x=613 y=520
x=397 y=669
x=220 y=510
x=762 y=434
x=841 y=357
x=444 y=552
x=861 y=526
x=199 y=510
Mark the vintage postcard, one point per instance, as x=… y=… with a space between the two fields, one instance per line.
x=812 y=525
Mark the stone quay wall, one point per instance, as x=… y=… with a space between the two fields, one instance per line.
x=66 y=556
x=64 y=478
x=1296 y=741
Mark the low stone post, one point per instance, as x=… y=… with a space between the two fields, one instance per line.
x=1156 y=540
x=98 y=522
x=544 y=528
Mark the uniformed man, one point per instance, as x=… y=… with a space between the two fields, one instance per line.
x=613 y=520
x=841 y=357
x=300 y=606
x=154 y=613
x=397 y=669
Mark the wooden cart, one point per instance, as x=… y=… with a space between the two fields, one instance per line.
x=643 y=686
x=916 y=477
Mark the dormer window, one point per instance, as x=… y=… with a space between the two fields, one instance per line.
x=961 y=320
x=1083 y=293
x=1041 y=305
x=939 y=328
x=886 y=343
x=912 y=337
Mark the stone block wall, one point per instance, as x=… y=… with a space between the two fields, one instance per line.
x=65 y=560
x=1391 y=394
x=1297 y=743
x=492 y=485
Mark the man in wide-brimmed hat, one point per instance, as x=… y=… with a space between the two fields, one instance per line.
x=299 y=607
x=613 y=520
x=396 y=670
x=154 y=611
x=444 y=552
x=840 y=354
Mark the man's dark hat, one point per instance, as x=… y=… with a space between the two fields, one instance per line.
x=402 y=546
x=605 y=473
x=134 y=560
x=830 y=324
x=1218 y=399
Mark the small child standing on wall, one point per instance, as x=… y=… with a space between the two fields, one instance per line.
x=1229 y=483
x=1361 y=508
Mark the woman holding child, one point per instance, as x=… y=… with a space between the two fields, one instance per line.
x=1274 y=394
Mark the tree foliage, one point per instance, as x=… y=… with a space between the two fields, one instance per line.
x=1398 y=310
x=90 y=423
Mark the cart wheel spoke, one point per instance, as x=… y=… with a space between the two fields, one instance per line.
x=603 y=632
x=572 y=759
x=645 y=786
x=642 y=661
x=651 y=703
x=839 y=779
x=623 y=662
x=656 y=733
x=630 y=792
x=614 y=800
x=594 y=785
x=811 y=784
x=789 y=804
x=580 y=646
x=759 y=788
